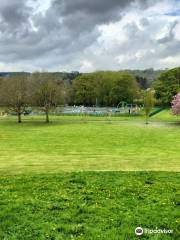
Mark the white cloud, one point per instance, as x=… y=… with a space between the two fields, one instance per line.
x=86 y=66
x=39 y=6
x=133 y=43
x=177 y=31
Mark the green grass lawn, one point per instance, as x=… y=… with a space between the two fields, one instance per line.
x=167 y=116
x=67 y=145
x=89 y=177
x=89 y=206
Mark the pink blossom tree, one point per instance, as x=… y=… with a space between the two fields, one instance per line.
x=176 y=104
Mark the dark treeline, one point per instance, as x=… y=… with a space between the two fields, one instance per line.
x=103 y=88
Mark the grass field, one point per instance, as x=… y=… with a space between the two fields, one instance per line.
x=51 y=187
x=88 y=205
x=68 y=145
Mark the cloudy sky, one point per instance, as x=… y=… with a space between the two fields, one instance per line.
x=89 y=35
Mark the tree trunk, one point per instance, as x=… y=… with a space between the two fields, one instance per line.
x=47 y=116
x=19 y=117
x=147 y=118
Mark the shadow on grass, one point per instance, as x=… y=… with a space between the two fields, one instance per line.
x=40 y=122
x=12 y=121
x=175 y=124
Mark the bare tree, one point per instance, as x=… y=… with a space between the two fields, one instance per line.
x=13 y=93
x=46 y=92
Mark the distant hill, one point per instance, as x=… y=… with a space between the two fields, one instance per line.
x=60 y=75
x=7 y=74
x=145 y=77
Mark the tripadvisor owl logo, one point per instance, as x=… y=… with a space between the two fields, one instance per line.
x=139 y=231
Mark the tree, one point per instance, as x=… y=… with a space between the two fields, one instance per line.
x=148 y=102
x=143 y=82
x=84 y=90
x=167 y=85
x=106 y=88
x=14 y=94
x=124 y=88
x=176 y=104
x=46 y=93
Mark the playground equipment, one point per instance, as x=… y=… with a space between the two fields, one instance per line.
x=123 y=108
